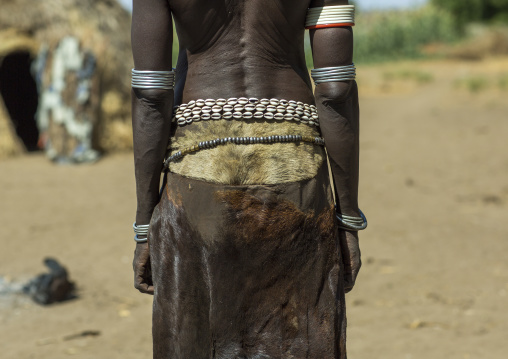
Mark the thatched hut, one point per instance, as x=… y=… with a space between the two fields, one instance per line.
x=102 y=27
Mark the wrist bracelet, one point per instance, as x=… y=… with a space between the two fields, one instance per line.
x=141 y=230
x=350 y=223
x=140 y=240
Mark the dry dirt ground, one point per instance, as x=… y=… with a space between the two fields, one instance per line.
x=434 y=184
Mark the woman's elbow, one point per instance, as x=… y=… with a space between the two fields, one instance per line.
x=329 y=93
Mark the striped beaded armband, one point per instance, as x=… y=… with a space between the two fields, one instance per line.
x=330 y=16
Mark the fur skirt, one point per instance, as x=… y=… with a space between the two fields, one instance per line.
x=248 y=271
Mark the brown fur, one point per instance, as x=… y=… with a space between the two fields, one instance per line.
x=248 y=164
x=174 y=198
x=269 y=220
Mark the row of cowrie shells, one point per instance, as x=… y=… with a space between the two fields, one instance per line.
x=242 y=101
x=246 y=108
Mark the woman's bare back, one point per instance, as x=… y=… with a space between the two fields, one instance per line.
x=250 y=49
x=243 y=48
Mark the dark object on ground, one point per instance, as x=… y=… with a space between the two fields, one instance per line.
x=83 y=334
x=51 y=287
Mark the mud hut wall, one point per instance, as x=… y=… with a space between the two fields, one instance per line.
x=103 y=27
x=10 y=144
x=12 y=41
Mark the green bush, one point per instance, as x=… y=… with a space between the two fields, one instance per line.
x=416 y=75
x=503 y=82
x=463 y=11
x=401 y=34
x=473 y=84
x=466 y=11
x=384 y=36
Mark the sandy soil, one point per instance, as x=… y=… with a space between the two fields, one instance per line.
x=434 y=184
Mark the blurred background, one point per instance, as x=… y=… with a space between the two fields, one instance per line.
x=433 y=79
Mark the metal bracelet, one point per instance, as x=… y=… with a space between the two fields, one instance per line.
x=350 y=223
x=140 y=240
x=164 y=80
x=333 y=71
x=141 y=230
x=325 y=15
x=334 y=74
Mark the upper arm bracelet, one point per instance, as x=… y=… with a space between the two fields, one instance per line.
x=164 y=80
x=333 y=74
x=330 y=16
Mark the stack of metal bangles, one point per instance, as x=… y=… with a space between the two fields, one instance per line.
x=333 y=74
x=350 y=223
x=163 y=80
x=141 y=230
x=330 y=16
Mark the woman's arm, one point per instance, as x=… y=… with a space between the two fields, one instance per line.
x=152 y=40
x=338 y=109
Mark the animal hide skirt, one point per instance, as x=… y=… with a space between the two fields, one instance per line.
x=250 y=271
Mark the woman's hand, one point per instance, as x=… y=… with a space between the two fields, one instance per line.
x=142 y=269
x=351 y=257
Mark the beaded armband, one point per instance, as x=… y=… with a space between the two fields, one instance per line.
x=330 y=16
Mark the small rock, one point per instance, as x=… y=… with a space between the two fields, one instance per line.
x=51 y=287
x=416 y=324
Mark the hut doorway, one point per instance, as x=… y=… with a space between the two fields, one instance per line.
x=19 y=93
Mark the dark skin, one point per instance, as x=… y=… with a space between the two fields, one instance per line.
x=229 y=49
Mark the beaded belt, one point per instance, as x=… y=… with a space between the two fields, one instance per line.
x=246 y=108
x=241 y=141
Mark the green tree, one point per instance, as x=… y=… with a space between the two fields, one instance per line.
x=463 y=11
x=497 y=11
